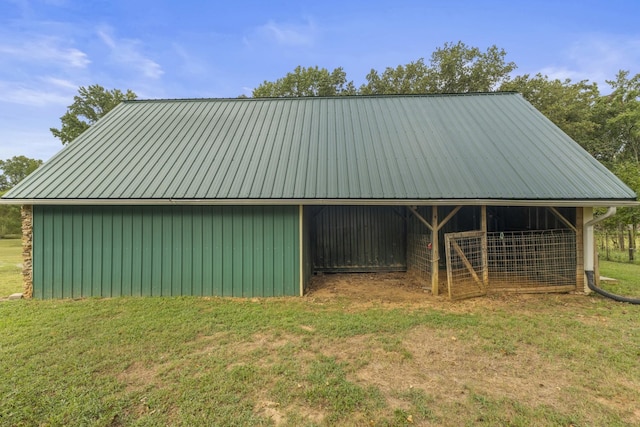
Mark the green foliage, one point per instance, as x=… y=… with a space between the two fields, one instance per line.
x=15 y=170
x=629 y=172
x=311 y=81
x=566 y=104
x=454 y=68
x=10 y=220
x=88 y=106
x=618 y=117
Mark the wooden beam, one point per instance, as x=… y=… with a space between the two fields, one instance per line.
x=420 y=217
x=448 y=217
x=466 y=263
x=562 y=218
x=580 y=287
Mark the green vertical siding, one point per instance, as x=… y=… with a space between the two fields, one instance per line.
x=82 y=251
x=307 y=256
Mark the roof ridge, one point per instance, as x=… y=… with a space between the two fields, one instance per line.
x=297 y=98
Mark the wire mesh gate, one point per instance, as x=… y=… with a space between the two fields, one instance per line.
x=467 y=266
x=524 y=261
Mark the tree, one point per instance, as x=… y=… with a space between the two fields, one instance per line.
x=454 y=68
x=567 y=104
x=15 y=170
x=618 y=117
x=311 y=81
x=88 y=106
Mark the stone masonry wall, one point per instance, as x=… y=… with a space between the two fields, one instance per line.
x=27 y=250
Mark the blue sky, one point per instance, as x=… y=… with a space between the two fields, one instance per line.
x=191 y=49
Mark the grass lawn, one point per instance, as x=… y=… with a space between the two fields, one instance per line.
x=10 y=266
x=515 y=360
x=627 y=276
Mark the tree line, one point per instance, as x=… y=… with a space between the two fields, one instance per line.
x=607 y=126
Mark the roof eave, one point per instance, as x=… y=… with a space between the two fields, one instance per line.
x=371 y=202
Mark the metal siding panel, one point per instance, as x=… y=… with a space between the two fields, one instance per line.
x=176 y=251
x=107 y=251
x=113 y=251
x=66 y=249
x=291 y=283
x=278 y=252
x=163 y=266
x=196 y=250
x=220 y=253
x=126 y=252
x=137 y=268
x=87 y=251
x=207 y=251
x=258 y=252
x=96 y=256
x=269 y=239
x=237 y=241
x=247 y=253
x=187 y=266
x=358 y=238
x=226 y=247
x=76 y=255
x=117 y=246
x=147 y=276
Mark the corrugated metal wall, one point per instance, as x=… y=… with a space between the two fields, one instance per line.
x=108 y=251
x=358 y=238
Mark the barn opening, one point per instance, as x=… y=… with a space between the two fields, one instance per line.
x=462 y=251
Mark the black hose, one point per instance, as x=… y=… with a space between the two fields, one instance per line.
x=592 y=285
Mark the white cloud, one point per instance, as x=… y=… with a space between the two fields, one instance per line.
x=36 y=95
x=46 y=50
x=127 y=52
x=597 y=58
x=287 y=34
x=62 y=83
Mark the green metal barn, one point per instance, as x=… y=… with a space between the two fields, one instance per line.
x=252 y=197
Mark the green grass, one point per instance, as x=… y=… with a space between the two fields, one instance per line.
x=10 y=269
x=627 y=276
x=515 y=360
x=198 y=361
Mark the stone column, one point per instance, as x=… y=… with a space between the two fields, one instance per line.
x=27 y=250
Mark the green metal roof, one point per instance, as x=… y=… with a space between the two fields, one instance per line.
x=489 y=147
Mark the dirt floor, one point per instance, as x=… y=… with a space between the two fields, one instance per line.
x=405 y=287
x=396 y=287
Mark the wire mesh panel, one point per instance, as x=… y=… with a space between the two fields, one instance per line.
x=419 y=255
x=466 y=264
x=532 y=261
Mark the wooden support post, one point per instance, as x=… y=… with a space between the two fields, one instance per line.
x=485 y=249
x=580 y=249
x=435 y=252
